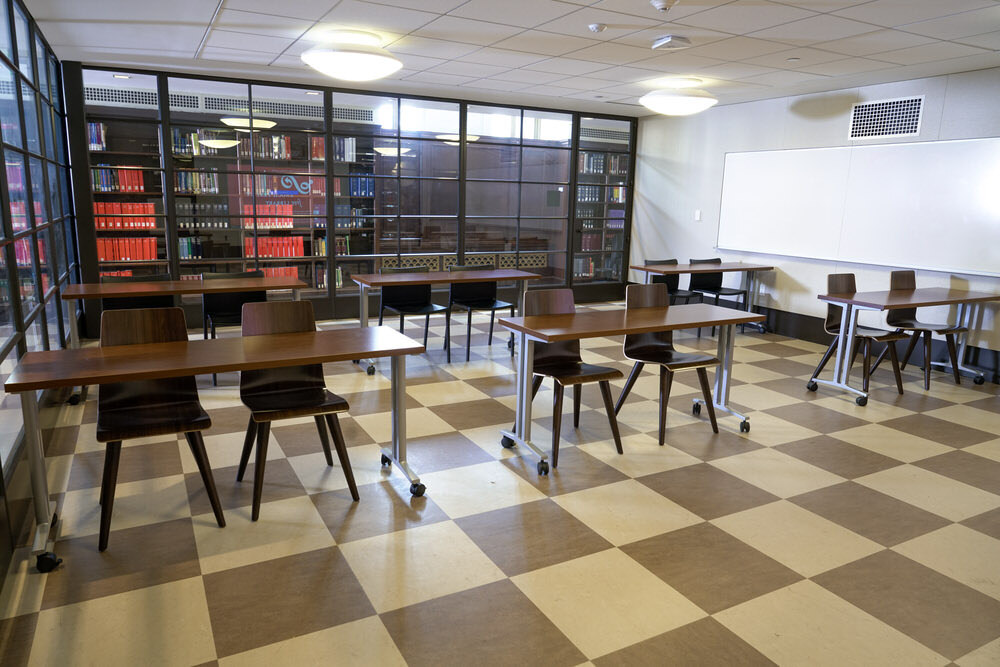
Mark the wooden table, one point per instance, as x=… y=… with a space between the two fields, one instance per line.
x=969 y=311
x=121 y=363
x=749 y=282
x=594 y=324
x=366 y=281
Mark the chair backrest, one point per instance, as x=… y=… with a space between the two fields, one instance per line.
x=671 y=281
x=901 y=280
x=279 y=317
x=706 y=281
x=837 y=283
x=654 y=295
x=406 y=295
x=128 y=303
x=552 y=302
x=230 y=304
x=469 y=292
x=135 y=327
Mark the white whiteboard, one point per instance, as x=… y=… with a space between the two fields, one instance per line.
x=930 y=205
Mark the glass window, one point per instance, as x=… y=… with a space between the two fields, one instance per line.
x=38 y=192
x=428 y=197
x=547 y=128
x=538 y=235
x=544 y=201
x=47 y=130
x=58 y=250
x=490 y=235
x=296 y=109
x=428 y=159
x=549 y=165
x=430 y=119
x=490 y=161
x=6 y=307
x=17 y=192
x=604 y=134
x=23 y=41
x=54 y=82
x=43 y=71
x=122 y=93
x=495 y=124
x=10 y=412
x=34 y=143
x=9 y=116
x=5 y=34
x=26 y=274
x=484 y=198
x=35 y=336
x=69 y=230
x=428 y=235
x=55 y=202
x=364 y=114
x=52 y=318
x=44 y=269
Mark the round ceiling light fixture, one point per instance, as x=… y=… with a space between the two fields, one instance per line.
x=246 y=124
x=219 y=143
x=391 y=151
x=352 y=55
x=682 y=102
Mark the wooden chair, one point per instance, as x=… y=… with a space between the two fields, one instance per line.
x=409 y=300
x=710 y=284
x=837 y=283
x=132 y=302
x=283 y=393
x=226 y=309
x=671 y=281
x=472 y=297
x=905 y=319
x=658 y=348
x=146 y=408
x=561 y=361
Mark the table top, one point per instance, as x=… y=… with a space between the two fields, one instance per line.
x=914 y=298
x=168 y=287
x=596 y=323
x=119 y=363
x=671 y=269
x=441 y=277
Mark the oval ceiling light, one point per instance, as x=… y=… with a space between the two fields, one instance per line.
x=219 y=143
x=244 y=123
x=352 y=55
x=678 y=102
x=391 y=151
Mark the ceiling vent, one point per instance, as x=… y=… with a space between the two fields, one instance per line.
x=887 y=118
x=672 y=43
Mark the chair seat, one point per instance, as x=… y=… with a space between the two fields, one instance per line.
x=672 y=359
x=723 y=291
x=683 y=293
x=577 y=373
x=225 y=319
x=915 y=325
x=419 y=309
x=878 y=335
x=274 y=405
x=482 y=304
x=148 y=420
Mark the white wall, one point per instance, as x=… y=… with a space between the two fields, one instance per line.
x=680 y=165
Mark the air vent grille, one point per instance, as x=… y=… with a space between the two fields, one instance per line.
x=130 y=97
x=887 y=118
x=599 y=134
x=355 y=114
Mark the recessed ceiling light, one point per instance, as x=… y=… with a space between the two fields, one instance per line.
x=352 y=55
x=121 y=76
x=677 y=102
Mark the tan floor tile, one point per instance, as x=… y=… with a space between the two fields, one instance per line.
x=963 y=554
x=478 y=488
x=805 y=624
x=873 y=411
x=635 y=603
x=890 y=442
x=384 y=508
x=316 y=476
x=932 y=492
x=136 y=504
x=989 y=450
x=444 y=393
x=626 y=511
x=645 y=455
x=352 y=383
x=117 y=630
x=753 y=373
x=285 y=527
x=477 y=369
x=758 y=398
x=577 y=470
x=23 y=586
x=776 y=472
x=419 y=564
x=58 y=471
x=768 y=430
x=419 y=422
x=704 y=642
x=984 y=656
x=224 y=450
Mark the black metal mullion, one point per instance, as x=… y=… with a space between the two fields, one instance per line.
x=253 y=181
x=463 y=126
x=331 y=233
x=170 y=230
x=574 y=158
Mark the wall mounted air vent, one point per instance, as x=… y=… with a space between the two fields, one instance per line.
x=120 y=97
x=609 y=136
x=887 y=118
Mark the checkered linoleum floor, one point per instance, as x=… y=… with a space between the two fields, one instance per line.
x=830 y=534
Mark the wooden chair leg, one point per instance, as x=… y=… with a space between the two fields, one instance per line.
x=381 y=314
x=953 y=354
x=263 y=431
x=247 y=448
x=826 y=356
x=400 y=323
x=324 y=438
x=468 y=336
x=866 y=367
x=914 y=339
x=577 y=395
x=628 y=385
x=513 y=313
x=706 y=392
x=880 y=358
x=927 y=359
x=197 y=444
x=345 y=462
x=606 y=394
x=493 y=316
x=447 y=333
x=666 y=381
x=890 y=347
x=557 y=404
x=112 y=453
x=427 y=327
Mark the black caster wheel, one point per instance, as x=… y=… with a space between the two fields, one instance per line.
x=417 y=489
x=48 y=561
x=744 y=426
x=861 y=400
x=371 y=370
x=543 y=467
x=812 y=386
x=386 y=461
x=75 y=399
x=507 y=443
x=696 y=408
x=356 y=361
x=979 y=379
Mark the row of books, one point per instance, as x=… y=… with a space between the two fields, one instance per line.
x=283 y=246
x=601 y=163
x=269 y=210
x=22 y=252
x=111 y=215
x=190 y=247
x=281 y=271
x=97 y=137
x=319 y=247
x=596 y=241
x=352 y=218
x=126 y=249
x=597 y=193
x=583 y=267
x=267 y=185
x=196 y=182
x=202 y=208
x=18 y=219
x=203 y=223
x=121 y=274
x=357 y=186
x=117 y=179
x=189 y=143
x=345 y=149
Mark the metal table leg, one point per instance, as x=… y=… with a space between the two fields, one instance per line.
x=522 y=286
x=363 y=317
x=751 y=284
x=74 y=344
x=723 y=376
x=968 y=316
x=46 y=522
x=397 y=454
x=845 y=348
x=521 y=435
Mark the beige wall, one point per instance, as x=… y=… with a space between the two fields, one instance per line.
x=680 y=166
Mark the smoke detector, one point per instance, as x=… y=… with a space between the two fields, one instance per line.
x=672 y=43
x=662 y=5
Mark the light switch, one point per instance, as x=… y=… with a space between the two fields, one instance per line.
x=697 y=215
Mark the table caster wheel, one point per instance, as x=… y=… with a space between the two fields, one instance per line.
x=861 y=400
x=979 y=379
x=356 y=361
x=417 y=489
x=510 y=343
x=371 y=370
x=812 y=386
x=386 y=461
x=47 y=561
x=75 y=399
x=506 y=442
x=744 y=426
x=543 y=467
x=696 y=408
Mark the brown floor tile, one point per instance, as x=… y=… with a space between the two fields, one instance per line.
x=90 y=410
x=987 y=522
x=699 y=441
x=16 y=636
x=495 y=385
x=778 y=350
x=278 y=599
x=385 y=507
x=704 y=643
x=707 y=491
x=939 y=430
x=430 y=373
x=490 y=625
x=136 y=557
x=373 y=402
x=443 y=451
x=990 y=404
x=229 y=420
x=61 y=440
x=837 y=456
x=280 y=482
x=302 y=439
x=786 y=367
x=159 y=459
x=974 y=470
x=937 y=611
x=577 y=470
x=917 y=402
x=816 y=417
x=793 y=387
x=474 y=414
x=878 y=517
x=594 y=423
x=510 y=536
x=710 y=567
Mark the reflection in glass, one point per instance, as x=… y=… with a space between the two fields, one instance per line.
x=11 y=120
x=429 y=118
x=492 y=199
x=428 y=197
x=24 y=60
x=428 y=235
x=5 y=44
x=537 y=235
x=493 y=124
x=26 y=274
x=490 y=235
x=17 y=192
x=6 y=307
x=38 y=191
x=544 y=200
x=490 y=161
x=44 y=253
x=34 y=143
x=604 y=134
x=52 y=318
x=428 y=159
x=549 y=165
x=364 y=114
x=547 y=128
x=43 y=71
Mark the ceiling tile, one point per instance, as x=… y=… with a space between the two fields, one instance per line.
x=847 y=66
x=466 y=30
x=180 y=38
x=286 y=60
x=804 y=58
x=745 y=16
x=120 y=11
x=626 y=75
x=584 y=83
x=418 y=63
x=929 y=52
x=469 y=69
x=613 y=54
x=680 y=61
x=261 y=24
x=989 y=40
x=236 y=55
x=502 y=57
x=524 y=13
x=432 y=48
x=495 y=84
x=893 y=13
x=822 y=5
x=783 y=78
x=567 y=66
x=957 y=25
x=822 y=28
x=552 y=91
x=240 y=40
x=628 y=89
x=874 y=42
x=437 y=77
x=545 y=43
x=355 y=14
x=732 y=71
x=529 y=77
x=618 y=25
x=645 y=10
x=436 y=6
x=737 y=48
x=597 y=96
x=698 y=36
